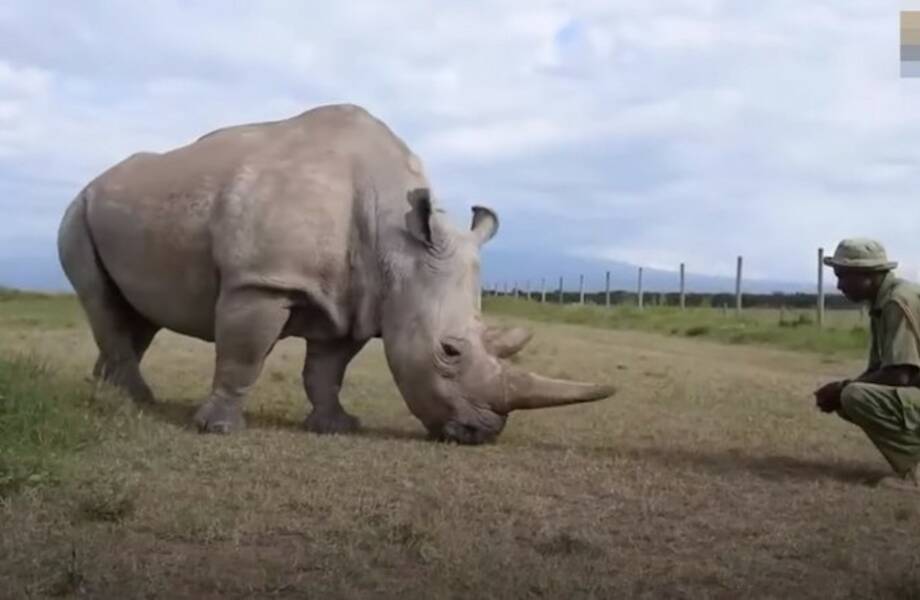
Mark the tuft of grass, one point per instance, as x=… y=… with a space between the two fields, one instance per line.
x=697 y=330
x=754 y=326
x=567 y=544
x=71 y=581
x=110 y=498
x=41 y=422
x=797 y=321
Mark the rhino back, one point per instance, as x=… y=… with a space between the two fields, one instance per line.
x=149 y=219
x=289 y=206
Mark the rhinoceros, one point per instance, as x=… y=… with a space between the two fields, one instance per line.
x=321 y=226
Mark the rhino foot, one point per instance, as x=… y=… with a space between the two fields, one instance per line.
x=219 y=416
x=338 y=422
x=126 y=377
x=143 y=395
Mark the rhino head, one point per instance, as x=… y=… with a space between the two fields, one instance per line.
x=443 y=360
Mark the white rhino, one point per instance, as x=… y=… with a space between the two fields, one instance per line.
x=320 y=226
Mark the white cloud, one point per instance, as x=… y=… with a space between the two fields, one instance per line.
x=641 y=131
x=23 y=82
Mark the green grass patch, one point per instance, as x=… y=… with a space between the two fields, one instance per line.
x=43 y=422
x=31 y=310
x=843 y=335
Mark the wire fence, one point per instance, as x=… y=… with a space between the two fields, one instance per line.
x=641 y=298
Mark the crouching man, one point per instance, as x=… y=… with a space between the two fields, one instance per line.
x=885 y=400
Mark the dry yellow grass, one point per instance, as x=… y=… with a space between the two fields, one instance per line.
x=709 y=475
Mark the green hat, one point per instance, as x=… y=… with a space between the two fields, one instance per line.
x=860 y=253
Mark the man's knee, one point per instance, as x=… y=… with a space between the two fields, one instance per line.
x=855 y=402
x=872 y=405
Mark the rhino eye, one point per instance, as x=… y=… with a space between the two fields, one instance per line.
x=450 y=349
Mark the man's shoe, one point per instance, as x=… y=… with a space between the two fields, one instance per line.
x=906 y=482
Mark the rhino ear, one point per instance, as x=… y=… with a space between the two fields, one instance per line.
x=485 y=224
x=420 y=220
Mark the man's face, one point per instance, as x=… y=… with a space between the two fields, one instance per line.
x=858 y=285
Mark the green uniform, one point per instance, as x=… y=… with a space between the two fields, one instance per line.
x=890 y=415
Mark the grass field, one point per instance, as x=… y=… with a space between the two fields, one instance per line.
x=845 y=332
x=709 y=475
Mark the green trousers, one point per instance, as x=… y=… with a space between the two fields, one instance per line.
x=890 y=416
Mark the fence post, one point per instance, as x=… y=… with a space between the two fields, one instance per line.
x=607 y=291
x=560 y=289
x=738 y=288
x=527 y=289
x=543 y=290
x=639 y=291
x=820 y=287
x=683 y=303
x=581 y=289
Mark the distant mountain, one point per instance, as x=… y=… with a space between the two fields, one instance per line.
x=501 y=267
x=36 y=272
x=41 y=272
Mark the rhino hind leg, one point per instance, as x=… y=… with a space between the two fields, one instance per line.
x=142 y=333
x=127 y=375
x=116 y=365
x=121 y=334
x=323 y=373
x=248 y=323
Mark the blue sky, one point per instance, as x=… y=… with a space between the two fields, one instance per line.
x=643 y=132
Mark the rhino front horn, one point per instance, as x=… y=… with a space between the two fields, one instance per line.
x=525 y=390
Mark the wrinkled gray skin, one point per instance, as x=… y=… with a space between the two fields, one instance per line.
x=320 y=226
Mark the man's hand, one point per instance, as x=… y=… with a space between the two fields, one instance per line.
x=827 y=397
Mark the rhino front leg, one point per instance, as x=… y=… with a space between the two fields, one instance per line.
x=247 y=327
x=323 y=372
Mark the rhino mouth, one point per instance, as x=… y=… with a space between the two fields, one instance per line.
x=469 y=434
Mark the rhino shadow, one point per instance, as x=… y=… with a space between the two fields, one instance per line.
x=733 y=461
x=179 y=412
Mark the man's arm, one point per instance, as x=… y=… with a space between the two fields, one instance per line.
x=827 y=397
x=895 y=375
x=895 y=363
x=899 y=354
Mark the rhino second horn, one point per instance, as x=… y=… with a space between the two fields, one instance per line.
x=502 y=343
x=526 y=390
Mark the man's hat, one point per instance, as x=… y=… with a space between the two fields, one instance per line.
x=860 y=253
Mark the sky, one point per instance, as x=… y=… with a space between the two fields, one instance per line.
x=649 y=133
